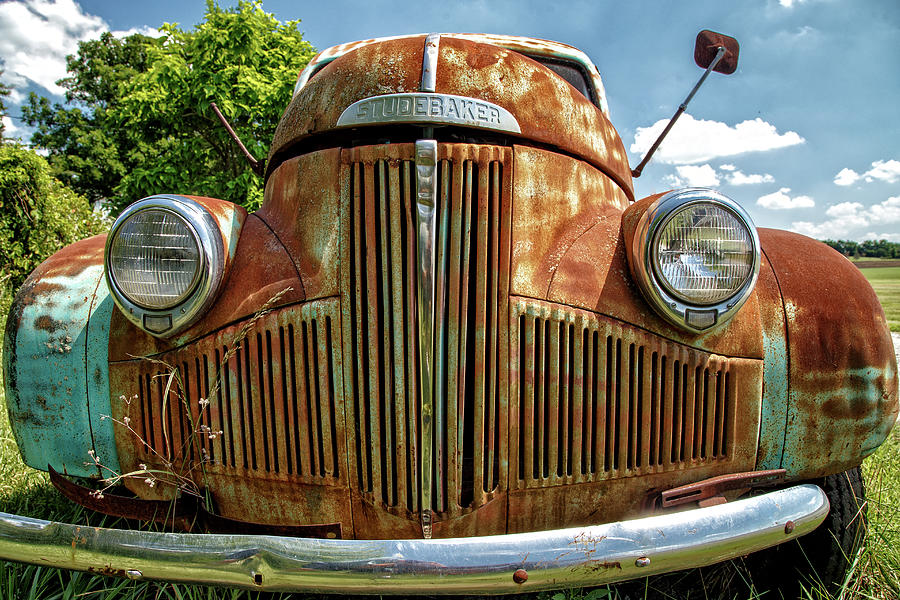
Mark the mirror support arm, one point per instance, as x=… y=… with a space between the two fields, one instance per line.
x=636 y=172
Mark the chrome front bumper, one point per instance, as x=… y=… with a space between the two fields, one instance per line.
x=580 y=556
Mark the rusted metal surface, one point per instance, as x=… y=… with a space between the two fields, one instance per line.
x=594 y=274
x=601 y=411
x=391 y=67
x=186 y=513
x=380 y=335
x=230 y=219
x=524 y=45
x=775 y=377
x=302 y=207
x=842 y=369
x=180 y=514
x=717 y=486
x=254 y=415
x=556 y=200
x=262 y=270
x=548 y=109
x=55 y=362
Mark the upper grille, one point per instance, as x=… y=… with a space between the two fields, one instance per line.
x=599 y=400
x=381 y=331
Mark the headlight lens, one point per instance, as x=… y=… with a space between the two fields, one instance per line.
x=695 y=255
x=704 y=254
x=155 y=258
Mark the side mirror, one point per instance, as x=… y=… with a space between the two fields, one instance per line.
x=713 y=52
x=706 y=47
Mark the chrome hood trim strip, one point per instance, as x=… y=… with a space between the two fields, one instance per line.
x=524 y=562
x=429 y=108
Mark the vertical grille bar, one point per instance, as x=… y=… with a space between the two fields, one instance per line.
x=274 y=406
x=472 y=260
x=596 y=400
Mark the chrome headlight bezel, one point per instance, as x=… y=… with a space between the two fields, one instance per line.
x=694 y=316
x=184 y=311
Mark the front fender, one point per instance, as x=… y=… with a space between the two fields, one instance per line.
x=55 y=363
x=842 y=371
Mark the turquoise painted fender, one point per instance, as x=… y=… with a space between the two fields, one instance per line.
x=55 y=361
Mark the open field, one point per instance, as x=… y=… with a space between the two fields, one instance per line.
x=868 y=263
x=886 y=281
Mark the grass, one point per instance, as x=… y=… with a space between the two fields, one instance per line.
x=886 y=281
x=875 y=574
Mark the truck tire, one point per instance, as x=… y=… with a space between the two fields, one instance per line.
x=830 y=549
x=820 y=559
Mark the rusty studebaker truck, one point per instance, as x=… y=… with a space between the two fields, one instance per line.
x=451 y=353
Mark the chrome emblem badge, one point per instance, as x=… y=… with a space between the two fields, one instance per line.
x=425 y=107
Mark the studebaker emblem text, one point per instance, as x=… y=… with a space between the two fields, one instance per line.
x=426 y=107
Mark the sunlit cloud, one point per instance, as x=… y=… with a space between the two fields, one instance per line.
x=694 y=141
x=693 y=176
x=887 y=171
x=740 y=178
x=781 y=200
x=36 y=36
x=846 y=217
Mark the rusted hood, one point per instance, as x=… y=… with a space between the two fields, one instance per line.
x=548 y=110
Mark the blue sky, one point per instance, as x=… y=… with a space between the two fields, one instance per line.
x=804 y=135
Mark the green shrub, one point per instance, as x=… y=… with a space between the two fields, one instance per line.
x=38 y=216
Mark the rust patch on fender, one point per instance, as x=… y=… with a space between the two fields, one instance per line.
x=842 y=367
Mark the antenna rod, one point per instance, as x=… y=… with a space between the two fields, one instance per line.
x=257 y=166
x=636 y=172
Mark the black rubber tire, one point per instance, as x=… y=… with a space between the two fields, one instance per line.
x=816 y=561
x=820 y=559
x=829 y=550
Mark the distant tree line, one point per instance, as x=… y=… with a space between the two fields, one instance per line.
x=866 y=249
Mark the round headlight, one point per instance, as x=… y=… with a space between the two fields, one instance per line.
x=165 y=262
x=155 y=258
x=695 y=255
x=704 y=253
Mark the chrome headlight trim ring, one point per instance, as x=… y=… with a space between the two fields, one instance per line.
x=694 y=316
x=183 y=312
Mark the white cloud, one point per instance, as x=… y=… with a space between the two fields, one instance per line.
x=846 y=217
x=696 y=140
x=887 y=171
x=740 y=178
x=10 y=129
x=693 y=176
x=846 y=177
x=36 y=36
x=891 y=237
x=780 y=200
x=727 y=167
x=887 y=212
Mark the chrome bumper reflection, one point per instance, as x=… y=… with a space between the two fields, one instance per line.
x=580 y=556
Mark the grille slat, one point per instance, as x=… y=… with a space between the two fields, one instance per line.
x=276 y=402
x=472 y=248
x=598 y=401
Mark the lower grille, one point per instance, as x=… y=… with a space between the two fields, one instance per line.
x=265 y=399
x=596 y=400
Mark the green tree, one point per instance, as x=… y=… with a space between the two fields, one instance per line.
x=137 y=118
x=87 y=150
x=38 y=216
